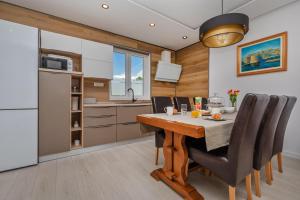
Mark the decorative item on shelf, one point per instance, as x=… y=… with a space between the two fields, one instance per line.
x=76 y=124
x=224 y=30
x=75 y=89
x=77 y=143
x=215 y=104
x=233 y=94
x=265 y=55
x=75 y=103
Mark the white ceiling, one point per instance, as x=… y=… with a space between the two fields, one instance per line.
x=131 y=18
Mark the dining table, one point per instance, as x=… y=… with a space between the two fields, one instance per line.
x=174 y=172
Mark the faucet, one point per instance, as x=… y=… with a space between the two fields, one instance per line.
x=132 y=91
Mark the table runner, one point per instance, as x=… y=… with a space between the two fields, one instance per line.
x=217 y=133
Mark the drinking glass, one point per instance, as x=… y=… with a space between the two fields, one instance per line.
x=183 y=109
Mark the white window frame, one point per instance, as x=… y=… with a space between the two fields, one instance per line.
x=146 y=74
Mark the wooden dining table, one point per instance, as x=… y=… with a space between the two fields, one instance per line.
x=175 y=169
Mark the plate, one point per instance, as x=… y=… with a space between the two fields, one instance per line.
x=205 y=113
x=210 y=118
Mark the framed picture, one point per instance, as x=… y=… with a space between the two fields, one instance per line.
x=265 y=55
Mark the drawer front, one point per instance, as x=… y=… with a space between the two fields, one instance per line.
x=129 y=113
x=128 y=131
x=97 y=135
x=99 y=111
x=99 y=120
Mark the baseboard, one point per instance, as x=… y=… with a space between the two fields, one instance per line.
x=91 y=149
x=292 y=154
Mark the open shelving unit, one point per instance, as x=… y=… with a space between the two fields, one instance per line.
x=76 y=114
x=76 y=84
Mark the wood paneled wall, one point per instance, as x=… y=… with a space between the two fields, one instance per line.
x=50 y=23
x=194 y=77
x=194 y=59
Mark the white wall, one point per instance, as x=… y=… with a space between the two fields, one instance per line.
x=222 y=74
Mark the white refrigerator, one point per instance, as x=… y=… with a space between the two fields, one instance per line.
x=18 y=95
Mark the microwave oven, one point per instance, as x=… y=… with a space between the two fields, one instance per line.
x=57 y=63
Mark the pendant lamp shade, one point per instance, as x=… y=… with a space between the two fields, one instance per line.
x=224 y=30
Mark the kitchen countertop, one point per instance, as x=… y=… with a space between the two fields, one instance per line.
x=110 y=104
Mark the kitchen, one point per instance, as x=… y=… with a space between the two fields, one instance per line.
x=72 y=90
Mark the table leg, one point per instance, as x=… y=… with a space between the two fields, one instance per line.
x=174 y=172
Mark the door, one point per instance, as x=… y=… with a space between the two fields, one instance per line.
x=18 y=66
x=18 y=137
x=54 y=113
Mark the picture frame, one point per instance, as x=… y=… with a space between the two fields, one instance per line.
x=262 y=56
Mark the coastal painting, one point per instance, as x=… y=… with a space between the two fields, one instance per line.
x=263 y=56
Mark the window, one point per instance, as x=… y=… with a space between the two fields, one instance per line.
x=130 y=70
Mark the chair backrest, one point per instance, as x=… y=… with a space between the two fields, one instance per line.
x=282 y=124
x=203 y=103
x=160 y=102
x=182 y=100
x=243 y=136
x=265 y=137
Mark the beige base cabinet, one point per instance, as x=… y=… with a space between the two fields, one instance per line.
x=54 y=112
x=102 y=134
x=99 y=126
x=127 y=114
x=127 y=126
x=127 y=131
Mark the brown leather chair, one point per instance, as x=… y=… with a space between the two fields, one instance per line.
x=281 y=128
x=234 y=163
x=265 y=139
x=182 y=100
x=159 y=103
x=204 y=102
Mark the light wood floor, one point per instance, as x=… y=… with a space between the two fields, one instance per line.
x=122 y=173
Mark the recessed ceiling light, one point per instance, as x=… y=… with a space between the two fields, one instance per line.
x=184 y=37
x=152 y=25
x=105 y=6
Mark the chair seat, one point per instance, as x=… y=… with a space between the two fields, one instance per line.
x=216 y=161
x=195 y=152
x=200 y=144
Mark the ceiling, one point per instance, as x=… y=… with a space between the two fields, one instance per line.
x=173 y=18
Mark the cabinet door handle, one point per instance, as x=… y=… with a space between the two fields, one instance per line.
x=129 y=123
x=100 y=126
x=101 y=116
x=136 y=106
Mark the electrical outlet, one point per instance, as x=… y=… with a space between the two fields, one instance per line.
x=98 y=84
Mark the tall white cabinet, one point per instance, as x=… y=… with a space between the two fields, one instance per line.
x=19 y=95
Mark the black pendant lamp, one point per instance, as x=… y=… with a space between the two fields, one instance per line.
x=224 y=30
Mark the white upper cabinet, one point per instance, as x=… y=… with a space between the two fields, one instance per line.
x=97 y=60
x=60 y=42
x=98 y=51
x=97 y=68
